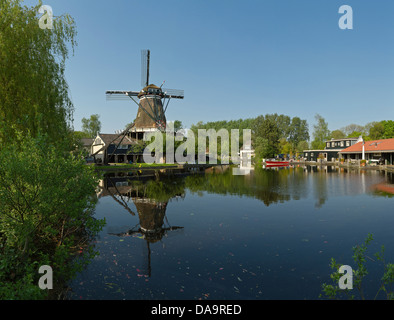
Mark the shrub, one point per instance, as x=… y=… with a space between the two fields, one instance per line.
x=47 y=199
x=385 y=290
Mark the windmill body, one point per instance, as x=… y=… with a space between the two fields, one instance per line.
x=152 y=104
x=150 y=114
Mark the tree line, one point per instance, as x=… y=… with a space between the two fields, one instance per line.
x=274 y=134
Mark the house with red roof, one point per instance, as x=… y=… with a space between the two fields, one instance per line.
x=382 y=150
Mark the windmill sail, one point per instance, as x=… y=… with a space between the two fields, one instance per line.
x=145 y=61
x=153 y=100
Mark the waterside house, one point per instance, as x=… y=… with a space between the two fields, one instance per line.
x=376 y=150
x=114 y=149
x=331 y=151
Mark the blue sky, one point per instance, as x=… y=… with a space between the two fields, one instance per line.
x=234 y=59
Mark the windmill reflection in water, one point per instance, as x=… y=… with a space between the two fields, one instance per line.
x=153 y=224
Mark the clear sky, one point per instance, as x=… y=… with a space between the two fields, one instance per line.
x=234 y=59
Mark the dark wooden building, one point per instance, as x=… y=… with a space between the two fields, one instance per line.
x=331 y=150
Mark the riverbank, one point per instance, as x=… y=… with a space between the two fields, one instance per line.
x=354 y=164
x=145 y=166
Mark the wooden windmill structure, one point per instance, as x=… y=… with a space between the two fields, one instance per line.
x=153 y=102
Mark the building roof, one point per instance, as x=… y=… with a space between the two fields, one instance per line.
x=342 y=139
x=114 y=138
x=384 y=145
x=323 y=150
x=87 y=142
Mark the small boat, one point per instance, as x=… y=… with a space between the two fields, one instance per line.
x=276 y=163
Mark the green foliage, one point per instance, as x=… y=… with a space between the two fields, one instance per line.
x=271 y=133
x=337 y=134
x=47 y=198
x=91 y=126
x=33 y=89
x=351 y=128
x=302 y=145
x=388 y=129
x=332 y=291
x=298 y=131
x=355 y=134
x=267 y=135
x=177 y=125
x=321 y=133
x=371 y=131
x=377 y=131
x=47 y=194
x=285 y=146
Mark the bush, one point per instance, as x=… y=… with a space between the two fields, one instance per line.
x=385 y=291
x=47 y=199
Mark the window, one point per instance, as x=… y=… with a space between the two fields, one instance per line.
x=328 y=144
x=306 y=154
x=348 y=143
x=312 y=154
x=342 y=144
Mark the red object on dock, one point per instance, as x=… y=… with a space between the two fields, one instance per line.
x=277 y=163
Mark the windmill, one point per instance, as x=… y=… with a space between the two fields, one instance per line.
x=152 y=99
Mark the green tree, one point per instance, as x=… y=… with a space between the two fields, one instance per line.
x=298 y=131
x=178 y=125
x=376 y=131
x=338 y=134
x=321 y=133
x=302 y=145
x=285 y=147
x=266 y=135
x=388 y=129
x=351 y=128
x=33 y=89
x=355 y=134
x=91 y=126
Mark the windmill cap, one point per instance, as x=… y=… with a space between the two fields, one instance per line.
x=146 y=90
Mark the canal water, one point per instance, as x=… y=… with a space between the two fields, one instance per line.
x=269 y=234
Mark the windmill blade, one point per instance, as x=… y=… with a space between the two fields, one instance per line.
x=145 y=61
x=173 y=93
x=173 y=232
x=120 y=95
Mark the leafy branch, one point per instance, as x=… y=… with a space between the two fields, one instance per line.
x=332 y=291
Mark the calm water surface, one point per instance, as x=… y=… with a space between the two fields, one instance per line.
x=267 y=235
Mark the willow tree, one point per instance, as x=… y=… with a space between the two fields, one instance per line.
x=33 y=90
